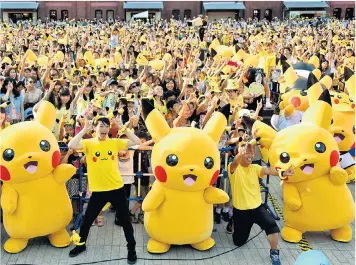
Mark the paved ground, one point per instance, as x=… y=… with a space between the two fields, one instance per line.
x=108 y=242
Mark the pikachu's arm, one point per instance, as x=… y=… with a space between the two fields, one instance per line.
x=154 y=198
x=9 y=198
x=63 y=172
x=215 y=196
x=291 y=197
x=338 y=176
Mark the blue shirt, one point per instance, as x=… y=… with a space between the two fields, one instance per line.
x=14 y=103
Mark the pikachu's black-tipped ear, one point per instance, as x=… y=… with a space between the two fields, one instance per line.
x=347 y=73
x=283 y=58
x=155 y=122
x=325 y=96
x=225 y=110
x=320 y=113
x=213 y=53
x=311 y=80
x=285 y=66
x=147 y=107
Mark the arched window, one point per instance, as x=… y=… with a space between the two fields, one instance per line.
x=175 y=14
x=53 y=15
x=187 y=13
x=110 y=14
x=64 y=14
x=256 y=14
x=98 y=14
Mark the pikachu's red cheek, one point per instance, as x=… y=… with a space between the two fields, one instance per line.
x=94 y=159
x=56 y=159
x=336 y=101
x=214 y=178
x=4 y=174
x=296 y=102
x=160 y=174
x=334 y=158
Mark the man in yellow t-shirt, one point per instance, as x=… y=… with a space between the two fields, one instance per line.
x=246 y=199
x=104 y=178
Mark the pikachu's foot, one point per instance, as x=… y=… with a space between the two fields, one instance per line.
x=343 y=234
x=156 y=247
x=291 y=235
x=204 y=245
x=15 y=245
x=60 y=239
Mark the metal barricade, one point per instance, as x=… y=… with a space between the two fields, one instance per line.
x=139 y=174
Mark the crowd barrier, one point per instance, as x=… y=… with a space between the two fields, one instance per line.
x=81 y=198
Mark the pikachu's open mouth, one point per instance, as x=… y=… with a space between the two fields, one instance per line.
x=339 y=137
x=31 y=167
x=190 y=179
x=307 y=168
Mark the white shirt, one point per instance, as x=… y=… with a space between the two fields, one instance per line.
x=126 y=167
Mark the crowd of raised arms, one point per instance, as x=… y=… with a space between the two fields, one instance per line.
x=95 y=68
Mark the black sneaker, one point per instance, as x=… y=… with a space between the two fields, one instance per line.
x=229 y=226
x=131 y=257
x=225 y=216
x=77 y=250
x=217 y=218
x=274 y=255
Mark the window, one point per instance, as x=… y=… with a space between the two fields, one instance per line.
x=337 y=13
x=349 y=14
x=187 y=13
x=64 y=14
x=53 y=15
x=268 y=14
x=98 y=14
x=256 y=14
x=109 y=14
x=175 y=14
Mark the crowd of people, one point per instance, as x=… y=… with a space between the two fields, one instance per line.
x=187 y=70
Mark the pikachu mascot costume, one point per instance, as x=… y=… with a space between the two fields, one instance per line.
x=186 y=162
x=316 y=197
x=342 y=126
x=34 y=197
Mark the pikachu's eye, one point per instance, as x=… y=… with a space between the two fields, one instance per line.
x=303 y=93
x=353 y=129
x=284 y=157
x=209 y=163
x=320 y=147
x=172 y=160
x=8 y=154
x=339 y=96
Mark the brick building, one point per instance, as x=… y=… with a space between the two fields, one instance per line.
x=166 y=9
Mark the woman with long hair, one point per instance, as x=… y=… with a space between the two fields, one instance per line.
x=15 y=108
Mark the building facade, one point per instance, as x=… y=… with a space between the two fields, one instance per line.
x=57 y=10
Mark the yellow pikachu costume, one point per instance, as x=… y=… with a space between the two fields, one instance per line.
x=342 y=127
x=316 y=197
x=186 y=162
x=34 y=197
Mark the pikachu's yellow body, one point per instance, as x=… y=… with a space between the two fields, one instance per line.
x=186 y=162
x=316 y=197
x=34 y=198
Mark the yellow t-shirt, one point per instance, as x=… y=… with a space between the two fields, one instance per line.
x=102 y=163
x=245 y=187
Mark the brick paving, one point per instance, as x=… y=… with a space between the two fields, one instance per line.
x=108 y=242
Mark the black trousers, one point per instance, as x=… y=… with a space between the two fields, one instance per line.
x=118 y=200
x=127 y=192
x=244 y=219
